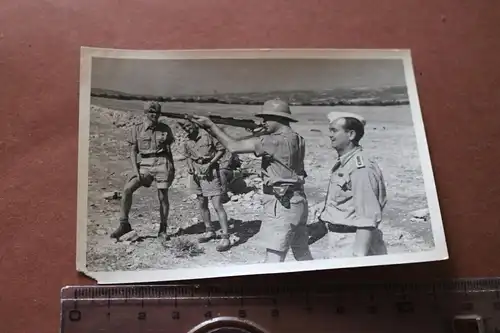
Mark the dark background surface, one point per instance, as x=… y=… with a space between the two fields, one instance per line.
x=456 y=52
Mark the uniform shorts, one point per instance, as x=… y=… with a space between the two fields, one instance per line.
x=158 y=170
x=377 y=245
x=284 y=227
x=225 y=178
x=207 y=186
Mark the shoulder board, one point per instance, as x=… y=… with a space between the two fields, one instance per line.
x=360 y=163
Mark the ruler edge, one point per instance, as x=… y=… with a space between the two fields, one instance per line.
x=200 y=290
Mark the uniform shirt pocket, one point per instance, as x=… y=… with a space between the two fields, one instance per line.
x=144 y=142
x=343 y=188
x=205 y=149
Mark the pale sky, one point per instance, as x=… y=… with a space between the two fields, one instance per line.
x=197 y=77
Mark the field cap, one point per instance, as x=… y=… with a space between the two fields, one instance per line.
x=278 y=108
x=334 y=115
x=153 y=106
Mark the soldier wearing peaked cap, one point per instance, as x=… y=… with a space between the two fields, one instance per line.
x=152 y=140
x=356 y=193
x=285 y=204
x=332 y=116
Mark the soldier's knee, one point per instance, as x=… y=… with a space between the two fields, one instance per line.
x=202 y=202
x=219 y=207
x=163 y=194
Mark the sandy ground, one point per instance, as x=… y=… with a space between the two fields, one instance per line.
x=390 y=139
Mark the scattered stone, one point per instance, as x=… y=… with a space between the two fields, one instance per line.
x=112 y=195
x=101 y=232
x=195 y=220
x=235 y=198
x=192 y=197
x=130 y=236
x=233 y=239
x=421 y=214
x=130 y=250
x=175 y=230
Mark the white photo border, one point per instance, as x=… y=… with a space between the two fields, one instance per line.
x=439 y=252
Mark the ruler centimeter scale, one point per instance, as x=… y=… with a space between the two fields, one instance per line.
x=455 y=306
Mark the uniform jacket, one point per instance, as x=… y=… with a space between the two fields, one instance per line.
x=283 y=155
x=152 y=139
x=356 y=192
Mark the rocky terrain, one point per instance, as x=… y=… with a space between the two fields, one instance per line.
x=390 y=139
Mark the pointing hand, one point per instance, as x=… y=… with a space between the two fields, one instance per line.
x=202 y=121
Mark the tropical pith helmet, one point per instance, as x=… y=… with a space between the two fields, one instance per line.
x=277 y=108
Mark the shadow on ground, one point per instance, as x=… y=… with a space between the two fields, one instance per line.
x=316 y=230
x=238 y=186
x=243 y=230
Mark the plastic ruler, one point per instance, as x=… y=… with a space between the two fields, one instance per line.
x=466 y=305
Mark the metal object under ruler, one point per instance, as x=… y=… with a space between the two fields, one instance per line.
x=461 y=306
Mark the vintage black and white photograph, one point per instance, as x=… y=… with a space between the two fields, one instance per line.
x=211 y=163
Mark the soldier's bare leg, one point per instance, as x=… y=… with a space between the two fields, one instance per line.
x=164 y=210
x=225 y=175
x=300 y=244
x=273 y=256
x=300 y=240
x=378 y=246
x=125 y=206
x=225 y=244
x=362 y=242
x=205 y=215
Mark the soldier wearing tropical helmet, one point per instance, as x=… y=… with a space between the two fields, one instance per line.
x=285 y=204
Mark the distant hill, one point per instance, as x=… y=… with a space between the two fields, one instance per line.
x=357 y=96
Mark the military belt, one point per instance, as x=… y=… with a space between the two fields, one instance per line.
x=282 y=188
x=201 y=160
x=148 y=155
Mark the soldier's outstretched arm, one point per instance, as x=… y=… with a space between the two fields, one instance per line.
x=235 y=146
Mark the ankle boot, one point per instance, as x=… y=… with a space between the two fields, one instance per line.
x=225 y=243
x=122 y=229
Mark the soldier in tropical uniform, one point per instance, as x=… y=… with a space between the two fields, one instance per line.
x=285 y=204
x=151 y=140
x=203 y=154
x=356 y=193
